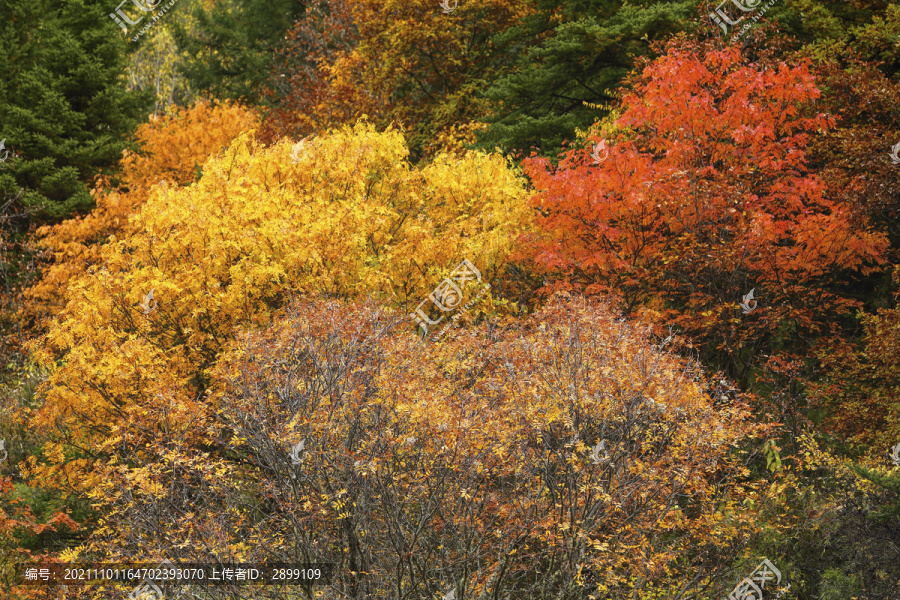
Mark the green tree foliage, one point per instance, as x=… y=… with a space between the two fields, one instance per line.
x=889 y=483
x=230 y=47
x=828 y=25
x=155 y=57
x=573 y=54
x=63 y=111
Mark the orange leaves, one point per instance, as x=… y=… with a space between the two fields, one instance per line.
x=488 y=440
x=705 y=195
x=173 y=150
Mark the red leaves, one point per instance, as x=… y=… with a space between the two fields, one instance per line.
x=706 y=193
x=17 y=525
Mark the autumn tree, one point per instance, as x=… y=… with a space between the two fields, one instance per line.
x=397 y=62
x=522 y=461
x=172 y=151
x=704 y=195
x=314 y=88
x=130 y=354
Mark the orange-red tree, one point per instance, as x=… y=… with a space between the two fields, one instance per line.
x=704 y=195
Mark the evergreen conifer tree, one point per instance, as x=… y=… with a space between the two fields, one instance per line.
x=230 y=51
x=582 y=57
x=64 y=112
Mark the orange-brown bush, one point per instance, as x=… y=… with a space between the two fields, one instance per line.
x=466 y=464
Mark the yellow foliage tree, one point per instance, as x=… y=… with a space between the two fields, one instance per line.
x=346 y=215
x=172 y=150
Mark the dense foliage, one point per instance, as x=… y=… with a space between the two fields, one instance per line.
x=348 y=219
x=706 y=194
x=486 y=299
x=171 y=152
x=228 y=52
x=573 y=55
x=403 y=62
x=63 y=111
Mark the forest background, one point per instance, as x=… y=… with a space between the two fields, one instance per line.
x=236 y=240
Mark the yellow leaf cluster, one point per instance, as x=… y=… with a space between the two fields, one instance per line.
x=172 y=151
x=349 y=218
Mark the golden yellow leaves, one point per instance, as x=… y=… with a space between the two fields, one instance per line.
x=142 y=479
x=71 y=554
x=172 y=150
x=135 y=344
